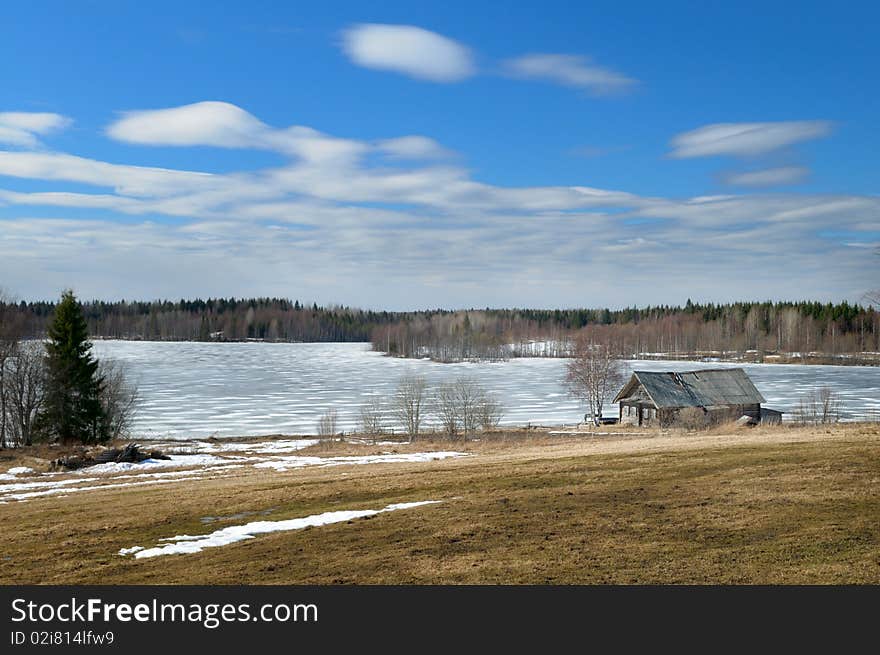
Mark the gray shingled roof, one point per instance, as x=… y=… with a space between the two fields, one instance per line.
x=712 y=387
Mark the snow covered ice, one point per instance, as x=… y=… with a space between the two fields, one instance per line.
x=198 y=390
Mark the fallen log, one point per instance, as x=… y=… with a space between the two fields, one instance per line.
x=71 y=462
x=130 y=453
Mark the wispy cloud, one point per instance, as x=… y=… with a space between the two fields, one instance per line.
x=409 y=50
x=413 y=147
x=568 y=70
x=426 y=55
x=781 y=176
x=746 y=139
x=346 y=218
x=224 y=125
x=22 y=128
x=124 y=179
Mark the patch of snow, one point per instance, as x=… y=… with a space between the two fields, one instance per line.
x=130 y=551
x=69 y=490
x=178 y=474
x=175 y=461
x=22 y=486
x=258 y=447
x=234 y=533
x=286 y=463
x=15 y=471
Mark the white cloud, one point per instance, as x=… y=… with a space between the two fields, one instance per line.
x=568 y=70
x=224 y=125
x=126 y=180
x=18 y=128
x=316 y=146
x=746 y=139
x=199 y=124
x=768 y=177
x=413 y=147
x=536 y=260
x=351 y=226
x=409 y=50
x=36 y=122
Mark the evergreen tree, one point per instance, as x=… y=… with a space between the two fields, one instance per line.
x=72 y=408
x=205 y=329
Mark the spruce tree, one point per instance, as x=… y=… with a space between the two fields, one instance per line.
x=72 y=409
x=205 y=329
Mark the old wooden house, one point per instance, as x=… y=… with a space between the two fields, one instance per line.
x=691 y=398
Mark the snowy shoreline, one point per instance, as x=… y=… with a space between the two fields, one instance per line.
x=202 y=460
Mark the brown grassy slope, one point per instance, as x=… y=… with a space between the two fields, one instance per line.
x=755 y=506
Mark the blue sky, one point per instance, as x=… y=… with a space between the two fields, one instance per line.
x=455 y=154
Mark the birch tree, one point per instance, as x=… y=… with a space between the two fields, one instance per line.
x=10 y=335
x=409 y=401
x=119 y=397
x=24 y=387
x=594 y=373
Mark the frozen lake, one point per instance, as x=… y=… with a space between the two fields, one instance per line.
x=236 y=389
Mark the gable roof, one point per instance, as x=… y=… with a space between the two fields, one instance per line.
x=710 y=387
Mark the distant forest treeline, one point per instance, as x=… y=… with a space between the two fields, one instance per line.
x=798 y=328
x=221 y=319
x=790 y=328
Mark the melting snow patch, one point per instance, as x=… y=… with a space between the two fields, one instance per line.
x=258 y=447
x=285 y=463
x=177 y=474
x=69 y=490
x=234 y=533
x=370 y=442
x=176 y=460
x=130 y=551
x=22 y=486
x=15 y=471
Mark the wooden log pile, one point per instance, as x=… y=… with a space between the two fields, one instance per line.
x=89 y=457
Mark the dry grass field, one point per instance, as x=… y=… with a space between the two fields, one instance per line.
x=766 y=505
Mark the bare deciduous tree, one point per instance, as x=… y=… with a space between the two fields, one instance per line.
x=469 y=396
x=327 y=424
x=594 y=372
x=464 y=405
x=10 y=335
x=489 y=412
x=24 y=386
x=819 y=407
x=409 y=401
x=119 y=397
x=445 y=408
x=6 y=348
x=829 y=402
x=373 y=417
